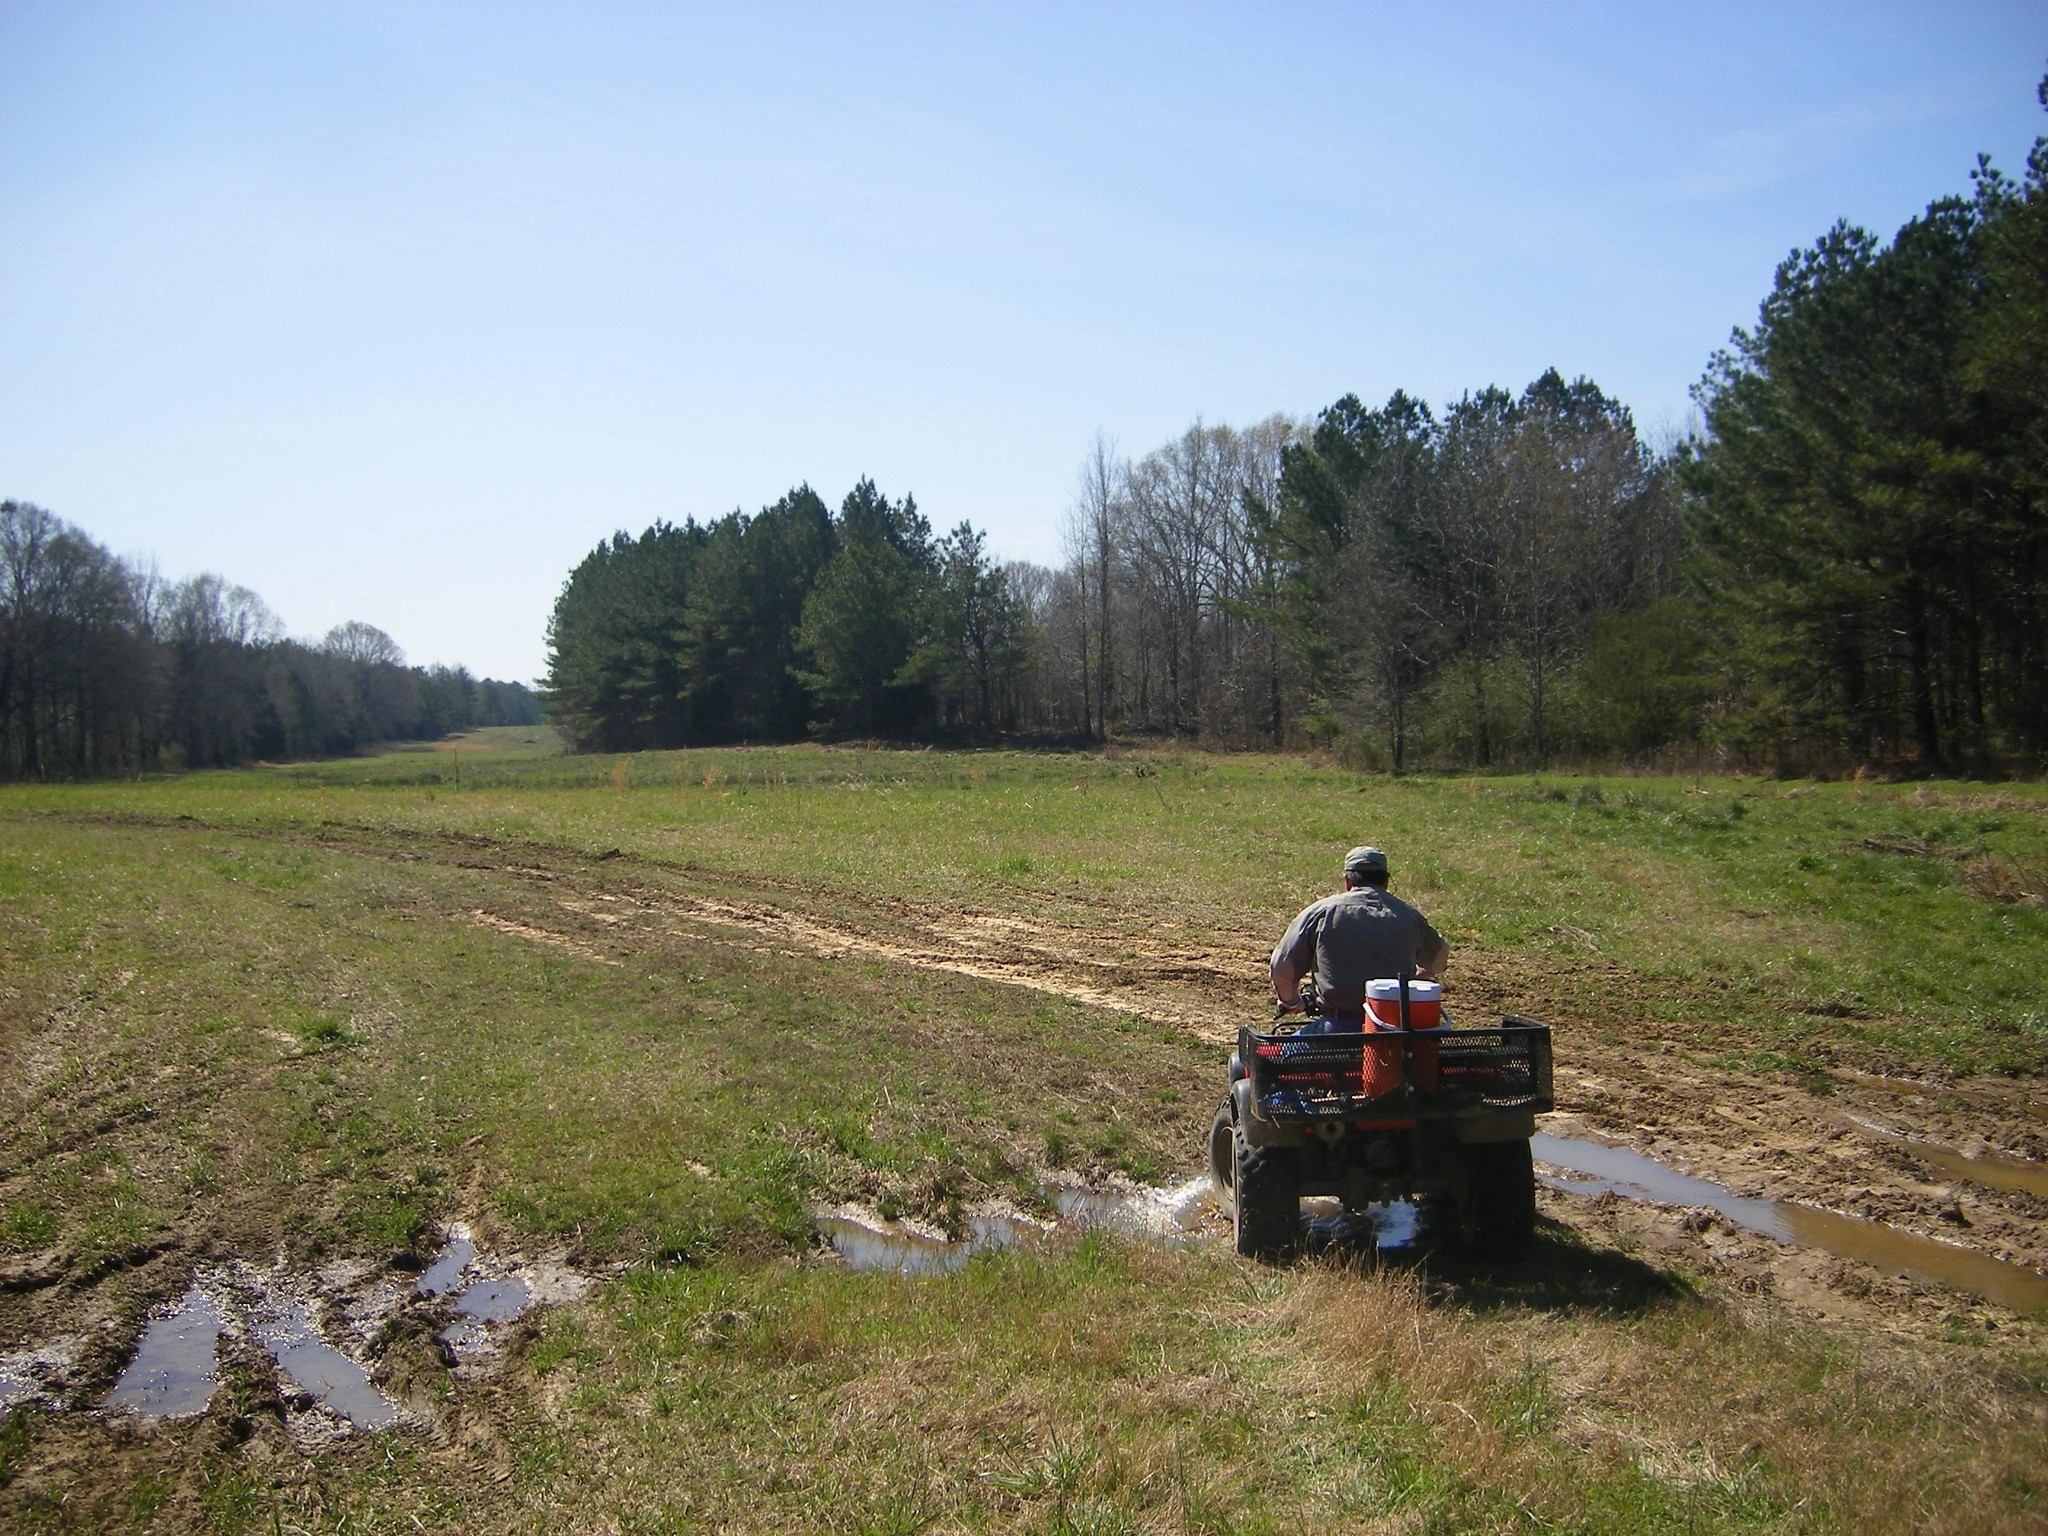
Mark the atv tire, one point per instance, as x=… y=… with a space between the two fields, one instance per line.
x=1265 y=1206
x=1223 y=1158
x=1497 y=1215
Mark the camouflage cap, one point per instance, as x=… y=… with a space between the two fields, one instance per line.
x=1365 y=864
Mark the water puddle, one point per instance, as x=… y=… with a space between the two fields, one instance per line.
x=1389 y=1230
x=1176 y=1209
x=35 y=1375
x=173 y=1373
x=899 y=1250
x=1174 y=1213
x=448 y=1268
x=485 y=1302
x=1988 y=1169
x=18 y=1384
x=1602 y=1170
x=175 y=1365
x=479 y=1301
x=288 y=1332
x=1169 y=1214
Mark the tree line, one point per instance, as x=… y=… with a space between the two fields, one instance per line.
x=1845 y=562
x=105 y=667
x=1870 y=493
x=1241 y=587
x=793 y=620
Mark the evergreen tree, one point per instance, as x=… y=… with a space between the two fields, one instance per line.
x=615 y=679
x=972 y=632
x=1867 y=533
x=862 y=620
x=737 y=640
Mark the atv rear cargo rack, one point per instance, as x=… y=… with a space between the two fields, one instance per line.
x=1429 y=1074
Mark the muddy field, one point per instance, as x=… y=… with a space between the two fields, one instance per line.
x=1962 y=1164
x=1900 y=1208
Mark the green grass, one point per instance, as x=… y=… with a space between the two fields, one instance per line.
x=1734 y=904
x=243 y=1008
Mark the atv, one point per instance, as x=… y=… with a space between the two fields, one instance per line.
x=1438 y=1114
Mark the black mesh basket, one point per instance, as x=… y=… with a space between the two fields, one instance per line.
x=1426 y=1074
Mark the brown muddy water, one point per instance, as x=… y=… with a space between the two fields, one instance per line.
x=1593 y=1169
x=1986 y=1168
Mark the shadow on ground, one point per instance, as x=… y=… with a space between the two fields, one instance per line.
x=1560 y=1272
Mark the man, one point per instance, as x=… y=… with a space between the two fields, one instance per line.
x=1353 y=937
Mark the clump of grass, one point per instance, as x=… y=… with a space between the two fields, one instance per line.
x=323 y=1032
x=17 y=1440
x=26 y=1223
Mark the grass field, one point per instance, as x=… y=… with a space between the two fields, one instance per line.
x=654 y=1012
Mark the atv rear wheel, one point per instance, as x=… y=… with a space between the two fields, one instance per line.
x=1266 y=1200
x=1497 y=1214
x=1223 y=1157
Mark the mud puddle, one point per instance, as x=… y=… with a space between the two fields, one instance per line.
x=36 y=1375
x=445 y=1274
x=17 y=1385
x=481 y=1298
x=1593 y=1169
x=1986 y=1168
x=1390 y=1230
x=479 y=1306
x=174 y=1370
x=325 y=1332
x=1170 y=1213
x=1167 y=1211
x=322 y=1371
x=901 y=1250
x=176 y=1365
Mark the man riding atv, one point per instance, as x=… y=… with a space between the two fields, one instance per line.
x=1378 y=1098
x=1344 y=941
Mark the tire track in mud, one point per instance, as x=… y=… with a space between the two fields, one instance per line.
x=1119 y=973
x=1110 y=967
x=1849 y=1151
x=528 y=931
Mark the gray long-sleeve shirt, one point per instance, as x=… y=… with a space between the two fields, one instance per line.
x=1351 y=938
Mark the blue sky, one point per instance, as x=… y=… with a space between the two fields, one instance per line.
x=391 y=311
